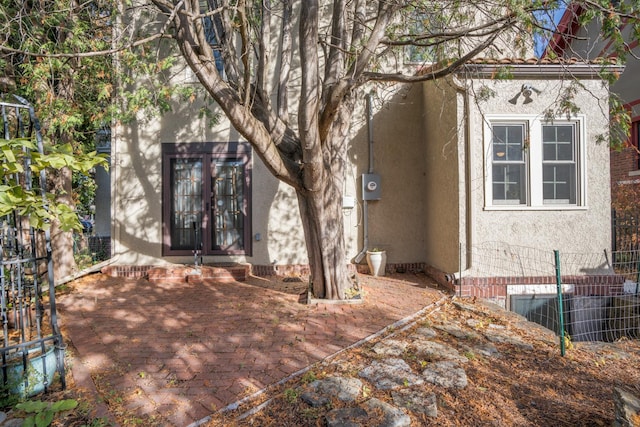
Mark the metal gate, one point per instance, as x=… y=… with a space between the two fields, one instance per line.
x=33 y=349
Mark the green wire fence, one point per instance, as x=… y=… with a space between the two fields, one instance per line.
x=579 y=296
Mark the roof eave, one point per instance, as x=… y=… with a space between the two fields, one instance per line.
x=581 y=71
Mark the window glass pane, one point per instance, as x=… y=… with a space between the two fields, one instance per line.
x=559 y=183
x=564 y=133
x=514 y=135
x=508 y=143
x=559 y=171
x=509 y=169
x=418 y=24
x=186 y=202
x=509 y=183
x=558 y=143
x=548 y=133
x=228 y=205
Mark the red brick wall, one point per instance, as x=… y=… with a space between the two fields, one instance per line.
x=490 y=287
x=623 y=162
x=625 y=188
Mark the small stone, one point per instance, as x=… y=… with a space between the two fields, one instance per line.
x=506 y=338
x=393 y=417
x=445 y=374
x=346 y=417
x=320 y=392
x=486 y=349
x=416 y=400
x=474 y=323
x=494 y=326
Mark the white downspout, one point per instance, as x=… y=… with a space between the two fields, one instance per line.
x=365 y=209
x=469 y=178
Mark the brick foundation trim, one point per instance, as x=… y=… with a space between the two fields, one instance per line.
x=130 y=271
x=192 y=274
x=595 y=285
x=240 y=271
x=391 y=268
x=280 y=270
x=180 y=273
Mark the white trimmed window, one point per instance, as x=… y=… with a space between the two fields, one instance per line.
x=534 y=164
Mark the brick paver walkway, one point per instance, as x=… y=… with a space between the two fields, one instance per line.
x=179 y=352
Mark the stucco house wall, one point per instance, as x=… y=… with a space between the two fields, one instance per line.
x=277 y=236
x=429 y=146
x=459 y=215
x=566 y=228
x=444 y=141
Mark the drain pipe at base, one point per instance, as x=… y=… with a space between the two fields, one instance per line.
x=365 y=209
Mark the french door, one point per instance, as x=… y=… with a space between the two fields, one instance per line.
x=206 y=199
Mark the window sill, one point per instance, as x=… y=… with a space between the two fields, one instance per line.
x=634 y=173
x=536 y=208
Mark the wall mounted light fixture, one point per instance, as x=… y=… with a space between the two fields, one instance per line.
x=526 y=91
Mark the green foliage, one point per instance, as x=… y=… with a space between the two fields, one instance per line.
x=16 y=167
x=309 y=377
x=619 y=123
x=291 y=395
x=41 y=414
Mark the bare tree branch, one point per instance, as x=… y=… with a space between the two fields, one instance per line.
x=285 y=61
x=310 y=97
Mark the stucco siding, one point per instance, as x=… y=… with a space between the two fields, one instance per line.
x=575 y=229
x=444 y=135
x=396 y=220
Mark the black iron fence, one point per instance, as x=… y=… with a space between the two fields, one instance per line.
x=32 y=348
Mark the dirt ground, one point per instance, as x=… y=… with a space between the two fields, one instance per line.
x=520 y=388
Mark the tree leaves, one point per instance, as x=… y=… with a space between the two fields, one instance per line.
x=16 y=157
x=44 y=412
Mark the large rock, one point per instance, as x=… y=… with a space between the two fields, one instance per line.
x=319 y=392
x=390 y=347
x=393 y=417
x=390 y=374
x=416 y=400
x=445 y=374
x=627 y=409
x=431 y=350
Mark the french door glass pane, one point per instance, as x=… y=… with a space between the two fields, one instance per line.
x=228 y=205
x=186 y=202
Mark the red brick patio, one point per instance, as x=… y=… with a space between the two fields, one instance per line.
x=180 y=351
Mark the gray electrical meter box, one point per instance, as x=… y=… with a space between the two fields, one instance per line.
x=371 y=186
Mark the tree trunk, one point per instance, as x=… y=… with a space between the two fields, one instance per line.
x=321 y=214
x=62 y=241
